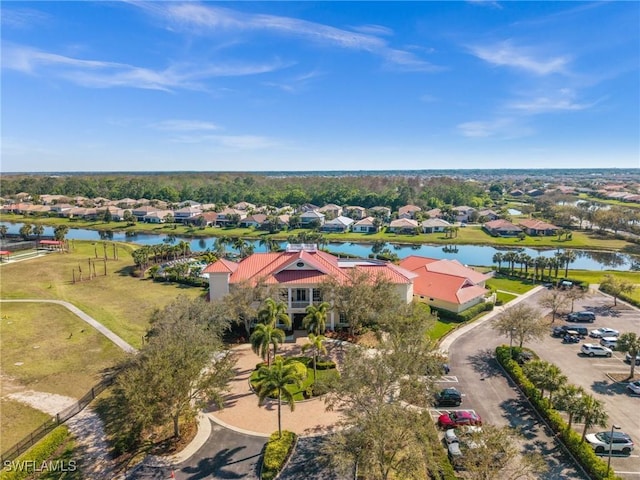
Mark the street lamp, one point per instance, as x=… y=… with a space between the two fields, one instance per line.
x=617 y=427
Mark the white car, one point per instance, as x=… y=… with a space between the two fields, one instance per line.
x=609 y=342
x=634 y=387
x=604 y=332
x=592 y=350
x=627 y=358
x=603 y=441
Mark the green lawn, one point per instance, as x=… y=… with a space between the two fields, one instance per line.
x=17 y=420
x=503 y=297
x=596 y=276
x=119 y=301
x=48 y=349
x=512 y=285
x=442 y=327
x=298 y=393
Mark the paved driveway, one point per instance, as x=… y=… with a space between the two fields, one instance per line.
x=225 y=455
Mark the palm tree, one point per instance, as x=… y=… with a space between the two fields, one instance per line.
x=630 y=342
x=263 y=337
x=274 y=312
x=498 y=258
x=592 y=412
x=316 y=342
x=511 y=258
x=184 y=248
x=554 y=380
x=316 y=319
x=569 y=257
x=536 y=371
x=25 y=231
x=540 y=263
x=568 y=400
x=38 y=230
x=272 y=381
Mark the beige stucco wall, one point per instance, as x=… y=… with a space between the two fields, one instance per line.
x=218 y=285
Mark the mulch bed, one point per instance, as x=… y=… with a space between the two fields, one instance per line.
x=624 y=377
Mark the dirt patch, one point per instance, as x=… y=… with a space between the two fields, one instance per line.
x=623 y=377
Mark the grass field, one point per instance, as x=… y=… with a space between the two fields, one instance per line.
x=509 y=284
x=119 y=301
x=597 y=276
x=48 y=349
x=503 y=297
x=17 y=420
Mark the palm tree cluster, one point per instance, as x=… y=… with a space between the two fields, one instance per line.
x=561 y=259
x=565 y=397
x=266 y=333
x=162 y=252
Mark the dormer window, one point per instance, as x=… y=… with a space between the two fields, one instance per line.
x=300 y=264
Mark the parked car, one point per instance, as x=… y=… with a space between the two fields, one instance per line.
x=561 y=330
x=627 y=358
x=571 y=336
x=449 y=397
x=455 y=455
x=619 y=442
x=459 y=418
x=610 y=342
x=592 y=350
x=584 y=316
x=604 y=332
x=634 y=387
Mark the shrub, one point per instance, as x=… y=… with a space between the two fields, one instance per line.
x=467 y=314
x=276 y=453
x=327 y=365
x=41 y=452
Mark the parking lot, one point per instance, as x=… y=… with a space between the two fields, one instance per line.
x=595 y=374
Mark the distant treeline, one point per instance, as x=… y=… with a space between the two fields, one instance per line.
x=229 y=188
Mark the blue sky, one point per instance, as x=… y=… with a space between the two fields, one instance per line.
x=254 y=86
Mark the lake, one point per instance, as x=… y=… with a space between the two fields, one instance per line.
x=465 y=254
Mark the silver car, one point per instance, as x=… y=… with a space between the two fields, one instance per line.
x=604 y=332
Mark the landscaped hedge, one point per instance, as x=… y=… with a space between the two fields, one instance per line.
x=582 y=451
x=466 y=315
x=23 y=466
x=276 y=453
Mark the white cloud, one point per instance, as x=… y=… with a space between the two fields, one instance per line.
x=101 y=74
x=502 y=128
x=504 y=54
x=486 y=3
x=561 y=101
x=207 y=19
x=236 y=142
x=22 y=18
x=184 y=125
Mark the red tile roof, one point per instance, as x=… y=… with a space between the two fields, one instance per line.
x=537 y=225
x=278 y=268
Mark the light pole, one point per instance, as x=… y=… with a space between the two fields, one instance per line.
x=617 y=427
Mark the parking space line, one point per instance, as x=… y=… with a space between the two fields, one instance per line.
x=447 y=379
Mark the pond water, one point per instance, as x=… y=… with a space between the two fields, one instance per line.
x=514 y=211
x=465 y=254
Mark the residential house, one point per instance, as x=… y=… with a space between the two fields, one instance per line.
x=408 y=211
x=190 y=203
x=60 y=208
x=23 y=197
x=331 y=210
x=535 y=192
x=157 y=216
x=141 y=212
x=403 y=225
x=207 y=218
x=535 y=227
x=307 y=207
x=117 y=214
x=125 y=203
x=51 y=199
x=446 y=284
x=76 y=212
x=462 y=213
x=225 y=215
x=310 y=218
x=366 y=225
x=502 y=228
x=433 y=225
x=384 y=213
x=516 y=193
x=244 y=206
x=434 y=213
x=255 y=221
x=355 y=212
x=339 y=224
x=488 y=214
x=185 y=213
x=299 y=273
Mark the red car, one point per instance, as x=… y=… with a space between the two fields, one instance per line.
x=458 y=418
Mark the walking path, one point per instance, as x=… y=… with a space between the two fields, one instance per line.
x=83 y=316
